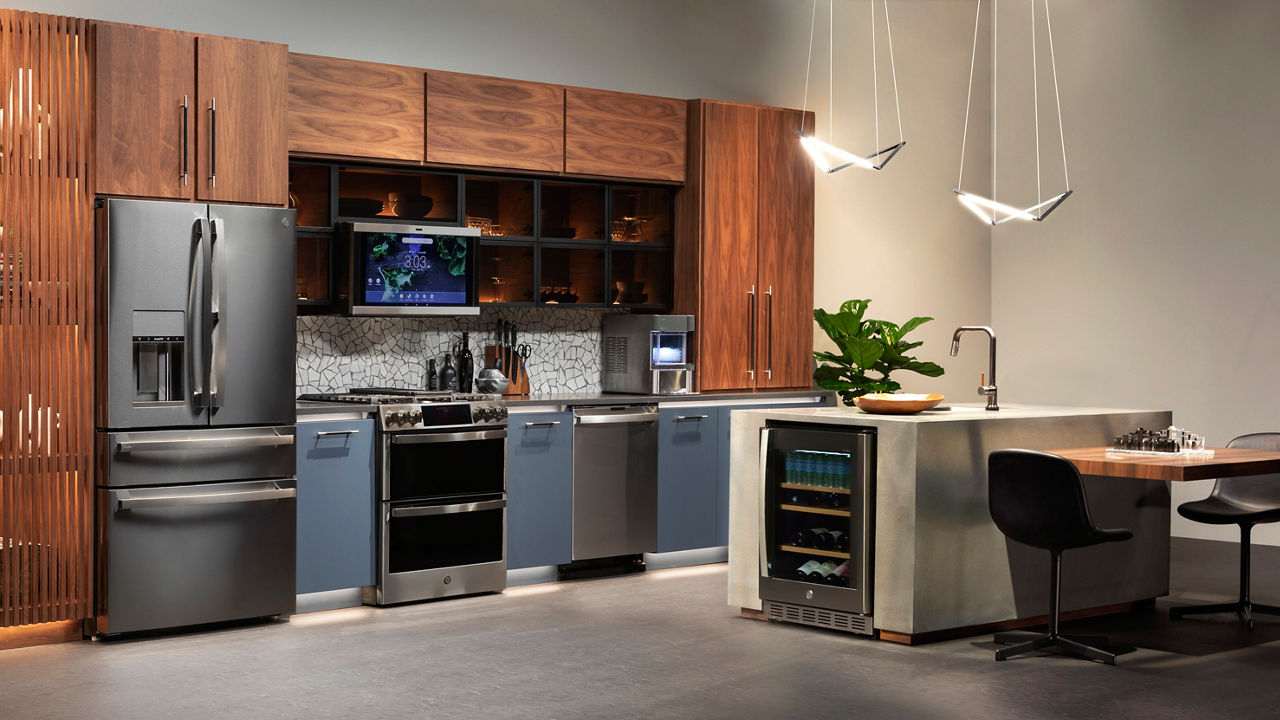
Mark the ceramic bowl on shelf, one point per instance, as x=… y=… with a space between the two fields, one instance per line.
x=409 y=205
x=896 y=403
x=358 y=207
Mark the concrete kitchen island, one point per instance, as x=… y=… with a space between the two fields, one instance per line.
x=940 y=563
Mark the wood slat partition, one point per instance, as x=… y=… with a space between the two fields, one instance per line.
x=46 y=319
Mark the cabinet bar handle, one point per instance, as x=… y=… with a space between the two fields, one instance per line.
x=183 y=141
x=327 y=433
x=548 y=423
x=751 y=333
x=213 y=142
x=687 y=418
x=768 y=347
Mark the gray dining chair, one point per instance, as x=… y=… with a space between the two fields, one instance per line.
x=1243 y=501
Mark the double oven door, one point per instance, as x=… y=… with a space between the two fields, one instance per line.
x=443 y=512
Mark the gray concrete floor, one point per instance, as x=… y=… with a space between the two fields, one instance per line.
x=659 y=645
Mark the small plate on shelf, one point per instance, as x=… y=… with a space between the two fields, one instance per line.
x=896 y=403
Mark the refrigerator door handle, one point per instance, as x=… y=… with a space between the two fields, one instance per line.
x=195 y=318
x=217 y=329
x=126 y=445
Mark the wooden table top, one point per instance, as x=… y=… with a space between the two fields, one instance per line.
x=1226 y=462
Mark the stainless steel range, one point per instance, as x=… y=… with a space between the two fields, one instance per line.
x=442 y=493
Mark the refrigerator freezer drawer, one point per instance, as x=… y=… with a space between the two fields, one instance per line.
x=179 y=457
x=176 y=556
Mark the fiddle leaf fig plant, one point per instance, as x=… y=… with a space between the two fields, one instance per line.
x=869 y=350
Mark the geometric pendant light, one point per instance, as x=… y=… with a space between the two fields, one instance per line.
x=986 y=209
x=826 y=156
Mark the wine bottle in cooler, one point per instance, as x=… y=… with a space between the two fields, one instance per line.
x=839 y=575
x=842 y=542
x=810 y=537
x=828 y=540
x=823 y=570
x=802 y=572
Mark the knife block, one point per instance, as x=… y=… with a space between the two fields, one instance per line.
x=519 y=384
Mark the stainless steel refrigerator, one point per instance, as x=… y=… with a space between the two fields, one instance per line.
x=196 y=497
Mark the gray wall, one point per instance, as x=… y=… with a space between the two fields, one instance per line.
x=897 y=236
x=1155 y=285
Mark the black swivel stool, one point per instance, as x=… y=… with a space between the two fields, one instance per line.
x=1038 y=499
x=1243 y=501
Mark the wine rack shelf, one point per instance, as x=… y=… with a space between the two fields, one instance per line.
x=837 y=512
x=816 y=488
x=815 y=551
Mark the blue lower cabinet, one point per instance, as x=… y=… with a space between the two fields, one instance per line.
x=722 y=472
x=539 y=489
x=687 y=477
x=335 y=505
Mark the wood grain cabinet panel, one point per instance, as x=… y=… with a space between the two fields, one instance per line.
x=143 y=76
x=624 y=135
x=744 y=253
x=241 y=132
x=727 y=307
x=785 y=252
x=355 y=109
x=494 y=122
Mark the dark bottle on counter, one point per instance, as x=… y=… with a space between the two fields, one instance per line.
x=466 y=366
x=448 y=375
x=433 y=380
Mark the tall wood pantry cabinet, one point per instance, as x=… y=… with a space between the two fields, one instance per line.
x=744 y=261
x=190 y=117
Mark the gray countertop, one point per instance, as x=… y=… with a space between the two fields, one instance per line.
x=309 y=409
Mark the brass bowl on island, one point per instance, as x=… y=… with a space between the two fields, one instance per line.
x=896 y=403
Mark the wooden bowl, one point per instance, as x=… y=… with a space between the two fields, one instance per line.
x=896 y=403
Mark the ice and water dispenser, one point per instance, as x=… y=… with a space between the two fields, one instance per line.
x=647 y=354
x=159 y=347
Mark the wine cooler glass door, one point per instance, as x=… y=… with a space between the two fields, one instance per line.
x=817 y=517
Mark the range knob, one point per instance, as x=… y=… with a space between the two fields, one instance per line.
x=395 y=418
x=415 y=417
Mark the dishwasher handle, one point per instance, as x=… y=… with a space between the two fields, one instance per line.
x=616 y=419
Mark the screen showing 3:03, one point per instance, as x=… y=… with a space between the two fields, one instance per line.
x=410 y=269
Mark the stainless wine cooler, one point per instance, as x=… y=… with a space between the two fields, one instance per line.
x=818 y=536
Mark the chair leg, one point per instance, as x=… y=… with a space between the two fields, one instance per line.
x=1053 y=638
x=1092 y=653
x=1243 y=605
x=1035 y=644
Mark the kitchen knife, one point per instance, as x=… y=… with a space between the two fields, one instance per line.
x=497 y=347
x=506 y=354
x=515 y=352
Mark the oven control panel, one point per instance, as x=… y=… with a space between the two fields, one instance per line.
x=431 y=416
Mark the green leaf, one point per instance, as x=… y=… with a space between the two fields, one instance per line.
x=855 y=307
x=836 y=385
x=823 y=356
x=912 y=324
x=927 y=369
x=888 y=331
x=863 y=352
x=902 y=347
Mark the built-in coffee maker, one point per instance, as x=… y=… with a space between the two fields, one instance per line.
x=647 y=354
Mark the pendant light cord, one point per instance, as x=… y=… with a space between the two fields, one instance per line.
x=1035 y=99
x=969 y=95
x=888 y=29
x=875 y=78
x=1057 y=97
x=812 y=17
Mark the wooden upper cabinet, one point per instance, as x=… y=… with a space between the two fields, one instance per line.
x=785 y=251
x=144 y=131
x=728 y=297
x=241 y=134
x=494 y=122
x=624 y=135
x=355 y=109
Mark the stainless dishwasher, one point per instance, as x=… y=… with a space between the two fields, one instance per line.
x=615 y=480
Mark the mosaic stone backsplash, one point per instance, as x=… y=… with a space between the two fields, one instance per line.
x=336 y=353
